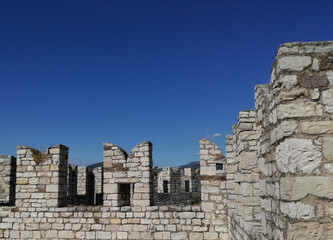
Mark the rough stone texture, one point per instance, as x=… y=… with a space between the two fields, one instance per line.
x=41 y=184
x=244 y=219
x=328 y=100
x=98 y=183
x=293 y=63
x=176 y=194
x=130 y=173
x=85 y=186
x=7 y=180
x=275 y=184
x=298 y=155
x=294 y=156
x=213 y=189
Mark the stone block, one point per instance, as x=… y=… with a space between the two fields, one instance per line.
x=328 y=100
x=298 y=109
x=322 y=127
x=179 y=235
x=293 y=63
x=309 y=230
x=297 y=210
x=295 y=188
x=296 y=154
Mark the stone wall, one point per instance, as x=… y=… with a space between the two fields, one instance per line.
x=274 y=184
x=34 y=218
x=128 y=178
x=213 y=189
x=7 y=180
x=289 y=147
x=98 y=174
x=81 y=222
x=296 y=159
x=244 y=220
x=41 y=177
x=173 y=180
x=85 y=186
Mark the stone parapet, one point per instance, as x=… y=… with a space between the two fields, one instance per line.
x=41 y=177
x=81 y=222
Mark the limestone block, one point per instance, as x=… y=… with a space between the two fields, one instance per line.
x=298 y=109
x=328 y=100
x=324 y=48
x=247 y=136
x=210 y=235
x=286 y=128
x=247 y=160
x=322 y=127
x=103 y=235
x=296 y=154
x=292 y=94
x=329 y=75
x=66 y=234
x=179 y=235
x=295 y=188
x=309 y=231
x=244 y=126
x=52 y=188
x=315 y=64
x=210 y=171
x=297 y=210
x=207 y=206
x=195 y=235
x=293 y=63
x=327 y=148
x=310 y=79
x=247 y=189
x=328 y=167
x=287 y=50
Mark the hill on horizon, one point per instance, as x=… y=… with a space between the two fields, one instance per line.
x=194 y=165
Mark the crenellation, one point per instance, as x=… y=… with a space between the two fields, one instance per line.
x=275 y=182
x=174 y=186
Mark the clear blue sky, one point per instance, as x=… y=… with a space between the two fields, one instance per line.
x=81 y=73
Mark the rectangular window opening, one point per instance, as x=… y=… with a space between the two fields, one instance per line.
x=124 y=194
x=165 y=186
x=187 y=186
x=219 y=166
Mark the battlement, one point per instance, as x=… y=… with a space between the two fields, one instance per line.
x=275 y=181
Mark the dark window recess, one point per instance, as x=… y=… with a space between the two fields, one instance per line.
x=165 y=187
x=124 y=191
x=187 y=186
x=219 y=166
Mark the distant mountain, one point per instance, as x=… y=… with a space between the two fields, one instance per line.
x=194 y=165
x=95 y=165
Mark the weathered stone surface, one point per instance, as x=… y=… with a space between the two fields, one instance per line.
x=326 y=62
x=297 y=210
x=328 y=100
x=298 y=109
x=328 y=149
x=295 y=154
x=287 y=50
x=312 y=79
x=322 y=127
x=329 y=75
x=295 y=188
x=309 y=231
x=294 y=63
